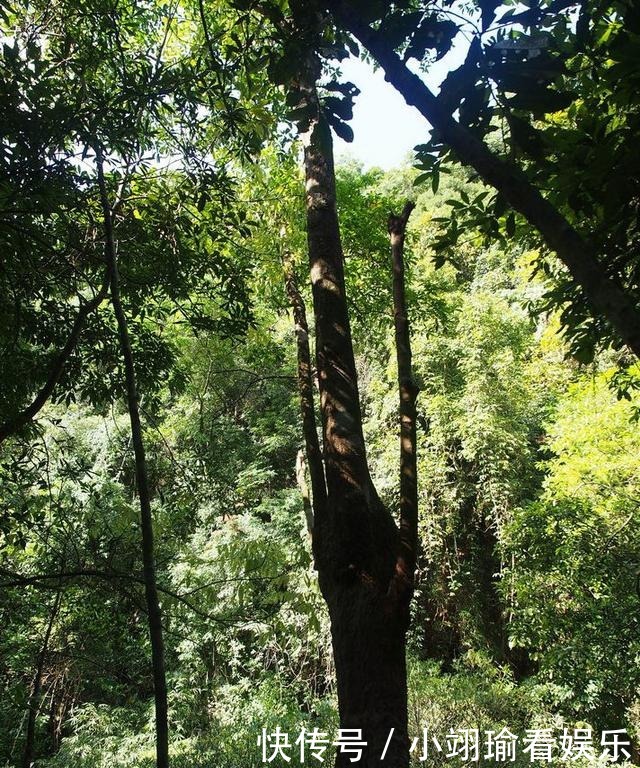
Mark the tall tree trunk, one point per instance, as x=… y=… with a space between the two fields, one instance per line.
x=356 y=542
x=301 y=479
x=146 y=519
x=363 y=559
x=606 y=296
x=36 y=686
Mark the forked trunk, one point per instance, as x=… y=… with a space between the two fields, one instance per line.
x=364 y=561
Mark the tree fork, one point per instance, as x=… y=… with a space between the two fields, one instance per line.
x=356 y=544
x=356 y=541
x=146 y=519
x=359 y=558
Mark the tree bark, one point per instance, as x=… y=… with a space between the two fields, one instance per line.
x=408 y=393
x=361 y=556
x=146 y=518
x=307 y=401
x=605 y=295
x=301 y=479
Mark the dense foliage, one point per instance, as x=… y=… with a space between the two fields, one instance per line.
x=526 y=608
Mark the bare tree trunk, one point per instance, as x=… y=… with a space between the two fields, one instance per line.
x=363 y=559
x=408 y=393
x=307 y=401
x=146 y=519
x=606 y=296
x=62 y=700
x=36 y=686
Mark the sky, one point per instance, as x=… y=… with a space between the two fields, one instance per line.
x=385 y=128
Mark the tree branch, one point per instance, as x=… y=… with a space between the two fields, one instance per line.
x=305 y=386
x=17 y=580
x=19 y=421
x=605 y=295
x=408 y=392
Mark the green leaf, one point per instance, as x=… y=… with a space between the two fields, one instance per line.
x=344 y=131
x=421 y=178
